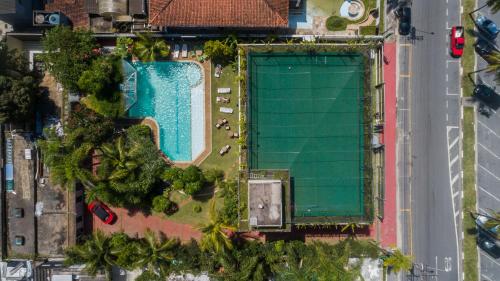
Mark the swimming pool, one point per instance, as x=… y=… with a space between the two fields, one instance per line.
x=173 y=94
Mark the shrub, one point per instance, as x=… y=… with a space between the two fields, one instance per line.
x=97 y=78
x=336 y=23
x=368 y=30
x=123 y=46
x=213 y=175
x=161 y=204
x=219 y=51
x=197 y=208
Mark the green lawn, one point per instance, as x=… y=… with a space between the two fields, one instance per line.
x=229 y=162
x=186 y=213
x=469 y=201
x=468 y=58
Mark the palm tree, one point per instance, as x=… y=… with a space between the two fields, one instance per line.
x=156 y=254
x=493 y=221
x=397 y=261
x=494 y=5
x=123 y=161
x=149 y=49
x=95 y=253
x=493 y=60
x=216 y=233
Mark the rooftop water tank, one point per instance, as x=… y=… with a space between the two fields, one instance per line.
x=112 y=8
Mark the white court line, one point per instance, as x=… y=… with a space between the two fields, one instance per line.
x=488 y=150
x=487 y=192
x=492 y=260
x=488 y=171
x=491 y=131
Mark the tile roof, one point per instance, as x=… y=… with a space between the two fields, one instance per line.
x=74 y=10
x=219 y=13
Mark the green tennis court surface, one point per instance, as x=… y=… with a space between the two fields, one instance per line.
x=306 y=115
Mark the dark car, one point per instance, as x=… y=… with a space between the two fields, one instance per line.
x=488 y=244
x=487 y=95
x=404 y=21
x=487 y=27
x=483 y=47
x=102 y=211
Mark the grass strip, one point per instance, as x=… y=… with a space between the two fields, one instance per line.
x=469 y=200
x=468 y=57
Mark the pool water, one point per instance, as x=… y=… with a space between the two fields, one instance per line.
x=172 y=93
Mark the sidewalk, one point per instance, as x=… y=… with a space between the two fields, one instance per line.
x=388 y=235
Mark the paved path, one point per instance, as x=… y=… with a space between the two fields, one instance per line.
x=137 y=223
x=388 y=225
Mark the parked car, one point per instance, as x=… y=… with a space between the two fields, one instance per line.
x=487 y=244
x=487 y=27
x=483 y=47
x=457 y=41
x=102 y=211
x=404 y=21
x=487 y=95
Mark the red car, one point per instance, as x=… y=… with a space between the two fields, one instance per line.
x=457 y=41
x=102 y=211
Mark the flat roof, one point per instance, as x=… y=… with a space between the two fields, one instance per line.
x=306 y=115
x=265 y=203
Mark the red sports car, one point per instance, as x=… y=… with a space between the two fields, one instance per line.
x=457 y=41
x=102 y=211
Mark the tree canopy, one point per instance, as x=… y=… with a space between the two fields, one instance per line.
x=68 y=53
x=18 y=86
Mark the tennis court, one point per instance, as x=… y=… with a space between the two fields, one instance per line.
x=306 y=115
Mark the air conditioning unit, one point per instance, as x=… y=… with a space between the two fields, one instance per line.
x=44 y=18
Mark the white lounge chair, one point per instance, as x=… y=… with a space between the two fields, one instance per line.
x=184 y=51
x=223 y=90
x=226 y=110
x=176 y=51
x=222 y=99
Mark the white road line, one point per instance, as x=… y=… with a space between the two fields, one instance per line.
x=492 y=260
x=487 y=192
x=454 y=160
x=488 y=150
x=455 y=178
x=448 y=129
x=446 y=77
x=488 y=171
x=447 y=100
x=457 y=213
x=491 y=131
x=456 y=194
x=455 y=141
x=446 y=11
x=486 y=277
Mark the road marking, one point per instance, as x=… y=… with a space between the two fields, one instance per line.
x=454 y=208
x=404 y=75
x=455 y=141
x=455 y=178
x=491 y=131
x=488 y=171
x=487 y=192
x=405 y=45
x=489 y=151
x=405 y=210
x=446 y=77
x=492 y=260
x=456 y=194
x=486 y=277
x=447 y=100
x=454 y=160
x=457 y=213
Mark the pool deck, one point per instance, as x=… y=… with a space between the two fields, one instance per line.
x=151 y=122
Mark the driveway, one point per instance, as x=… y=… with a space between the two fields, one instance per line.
x=488 y=160
x=135 y=224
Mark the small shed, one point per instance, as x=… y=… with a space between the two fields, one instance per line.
x=265 y=203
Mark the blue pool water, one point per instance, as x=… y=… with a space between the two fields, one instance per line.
x=164 y=92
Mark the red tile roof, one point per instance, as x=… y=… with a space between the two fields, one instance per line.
x=74 y=10
x=219 y=13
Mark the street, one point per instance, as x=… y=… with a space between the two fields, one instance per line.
x=429 y=172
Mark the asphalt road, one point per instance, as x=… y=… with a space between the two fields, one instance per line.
x=429 y=143
x=488 y=161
